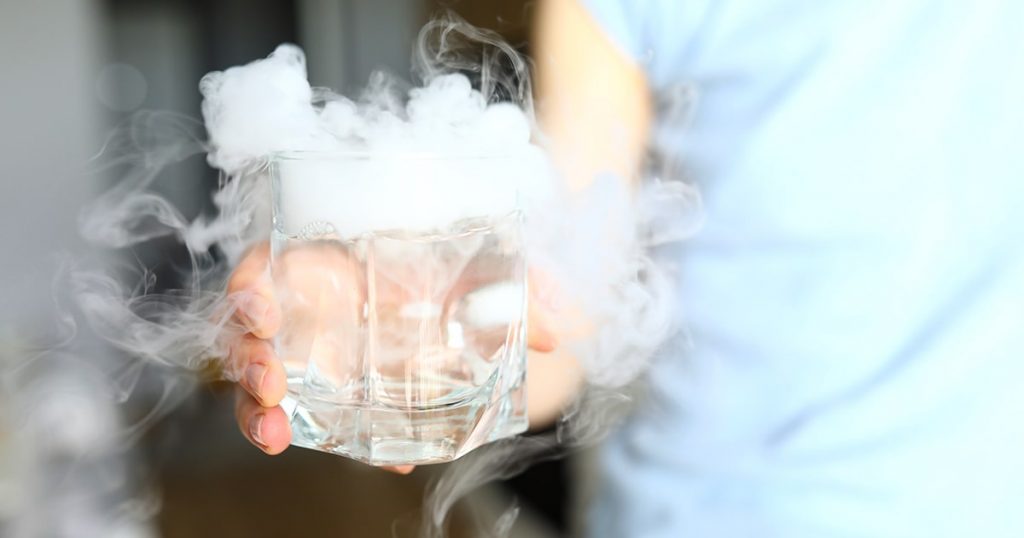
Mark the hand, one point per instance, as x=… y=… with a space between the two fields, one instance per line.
x=260 y=374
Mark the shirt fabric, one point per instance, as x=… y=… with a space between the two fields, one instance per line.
x=854 y=302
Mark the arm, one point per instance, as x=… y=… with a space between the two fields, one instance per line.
x=593 y=101
x=594 y=104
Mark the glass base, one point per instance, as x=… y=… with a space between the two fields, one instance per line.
x=382 y=436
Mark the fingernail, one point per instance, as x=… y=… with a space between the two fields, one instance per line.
x=254 y=308
x=254 y=377
x=255 y=424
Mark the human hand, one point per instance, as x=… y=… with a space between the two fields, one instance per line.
x=252 y=363
x=260 y=373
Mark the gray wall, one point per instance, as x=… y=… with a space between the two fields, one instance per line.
x=346 y=40
x=49 y=127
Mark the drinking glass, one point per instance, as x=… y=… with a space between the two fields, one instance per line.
x=402 y=283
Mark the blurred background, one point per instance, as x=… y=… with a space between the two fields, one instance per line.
x=73 y=70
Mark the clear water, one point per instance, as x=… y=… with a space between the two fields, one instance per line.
x=403 y=347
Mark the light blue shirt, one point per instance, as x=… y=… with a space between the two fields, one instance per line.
x=855 y=298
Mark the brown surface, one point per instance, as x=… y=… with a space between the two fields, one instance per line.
x=299 y=494
x=213 y=484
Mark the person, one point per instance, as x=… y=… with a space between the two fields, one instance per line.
x=855 y=298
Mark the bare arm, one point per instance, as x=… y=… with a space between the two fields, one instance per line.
x=594 y=104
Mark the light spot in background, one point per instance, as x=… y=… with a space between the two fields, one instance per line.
x=121 y=87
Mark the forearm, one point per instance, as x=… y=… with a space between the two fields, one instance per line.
x=593 y=101
x=595 y=108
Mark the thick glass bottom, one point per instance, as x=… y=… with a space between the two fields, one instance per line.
x=393 y=436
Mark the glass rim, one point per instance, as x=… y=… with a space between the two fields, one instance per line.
x=398 y=154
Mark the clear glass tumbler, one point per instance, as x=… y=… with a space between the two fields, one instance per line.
x=402 y=281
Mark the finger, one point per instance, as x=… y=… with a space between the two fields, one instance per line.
x=258 y=370
x=267 y=428
x=251 y=291
x=399 y=469
x=539 y=336
x=543 y=304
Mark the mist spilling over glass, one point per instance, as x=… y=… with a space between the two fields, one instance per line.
x=402 y=282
